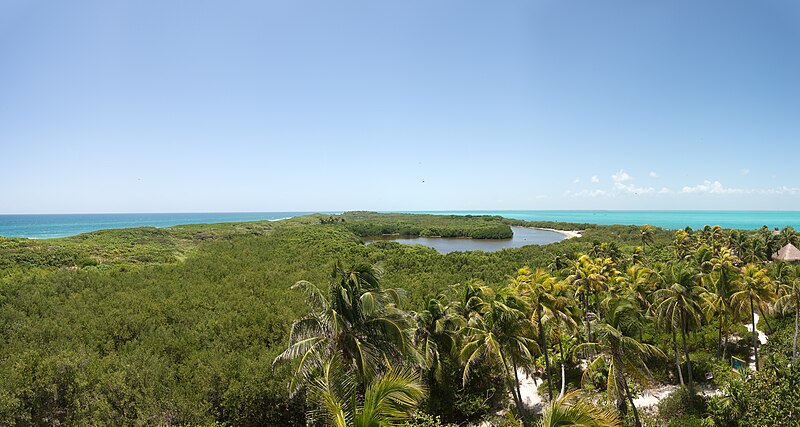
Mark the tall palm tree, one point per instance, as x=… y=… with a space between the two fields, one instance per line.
x=724 y=265
x=571 y=410
x=624 y=356
x=678 y=305
x=562 y=322
x=580 y=280
x=387 y=400
x=590 y=277
x=538 y=289
x=789 y=296
x=357 y=321
x=504 y=337
x=646 y=234
x=755 y=292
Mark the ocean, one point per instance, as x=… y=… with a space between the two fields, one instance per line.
x=745 y=220
x=61 y=225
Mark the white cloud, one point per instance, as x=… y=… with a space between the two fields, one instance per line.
x=595 y=179
x=744 y=171
x=782 y=190
x=653 y=175
x=586 y=193
x=664 y=190
x=715 y=187
x=624 y=183
x=576 y=180
x=708 y=187
x=621 y=177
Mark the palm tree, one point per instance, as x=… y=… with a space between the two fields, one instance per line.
x=502 y=337
x=788 y=236
x=768 y=242
x=683 y=244
x=563 y=318
x=571 y=410
x=538 y=289
x=357 y=321
x=470 y=298
x=580 y=279
x=789 y=291
x=677 y=305
x=591 y=276
x=387 y=400
x=436 y=334
x=647 y=237
x=724 y=264
x=624 y=356
x=755 y=291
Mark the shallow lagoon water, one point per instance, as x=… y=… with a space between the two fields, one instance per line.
x=522 y=237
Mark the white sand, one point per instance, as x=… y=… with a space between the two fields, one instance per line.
x=568 y=233
x=762 y=338
x=528 y=390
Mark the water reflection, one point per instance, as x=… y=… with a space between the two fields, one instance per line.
x=522 y=237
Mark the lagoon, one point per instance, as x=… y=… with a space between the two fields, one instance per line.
x=523 y=236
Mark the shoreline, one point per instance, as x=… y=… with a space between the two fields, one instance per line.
x=568 y=234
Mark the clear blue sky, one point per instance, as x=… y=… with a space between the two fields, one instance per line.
x=164 y=106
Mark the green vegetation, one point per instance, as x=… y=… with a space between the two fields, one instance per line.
x=374 y=224
x=297 y=322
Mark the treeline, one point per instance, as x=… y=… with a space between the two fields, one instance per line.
x=367 y=224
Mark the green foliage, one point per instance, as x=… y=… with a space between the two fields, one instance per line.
x=680 y=404
x=477 y=227
x=180 y=325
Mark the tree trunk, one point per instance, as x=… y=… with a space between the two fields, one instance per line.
x=635 y=412
x=586 y=314
x=794 y=342
x=543 y=339
x=563 y=370
x=516 y=393
x=686 y=353
x=725 y=344
x=677 y=360
x=755 y=334
x=769 y=327
x=719 y=339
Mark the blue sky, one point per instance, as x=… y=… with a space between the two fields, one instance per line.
x=164 y=106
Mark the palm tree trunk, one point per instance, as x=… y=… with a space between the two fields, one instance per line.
x=635 y=412
x=586 y=313
x=755 y=334
x=516 y=393
x=794 y=342
x=763 y=316
x=725 y=342
x=719 y=339
x=563 y=370
x=686 y=353
x=543 y=339
x=677 y=360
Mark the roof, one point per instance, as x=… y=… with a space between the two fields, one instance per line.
x=787 y=253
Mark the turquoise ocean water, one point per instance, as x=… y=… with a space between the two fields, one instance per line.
x=61 y=225
x=47 y=226
x=667 y=219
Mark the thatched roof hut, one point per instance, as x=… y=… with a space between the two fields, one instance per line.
x=787 y=253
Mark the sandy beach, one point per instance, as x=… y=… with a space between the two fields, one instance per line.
x=568 y=233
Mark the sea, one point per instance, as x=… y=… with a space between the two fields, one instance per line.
x=62 y=225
